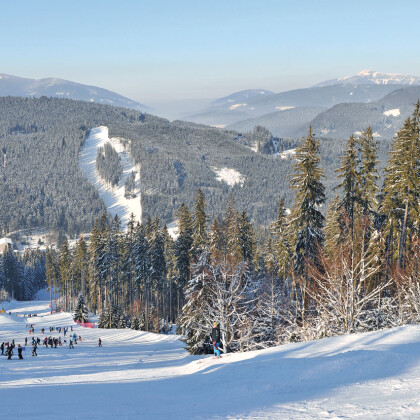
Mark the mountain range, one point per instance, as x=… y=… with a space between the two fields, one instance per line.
x=59 y=88
x=371 y=98
x=369 y=77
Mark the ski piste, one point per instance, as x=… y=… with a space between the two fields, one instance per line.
x=369 y=375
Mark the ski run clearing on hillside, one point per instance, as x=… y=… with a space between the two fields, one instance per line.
x=148 y=376
x=230 y=176
x=113 y=197
x=393 y=112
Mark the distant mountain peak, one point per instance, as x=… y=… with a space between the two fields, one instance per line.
x=55 y=87
x=371 y=77
x=243 y=95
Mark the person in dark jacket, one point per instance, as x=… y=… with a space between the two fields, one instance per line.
x=9 y=352
x=20 y=352
x=215 y=338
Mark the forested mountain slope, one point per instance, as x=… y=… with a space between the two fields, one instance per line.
x=222 y=113
x=42 y=184
x=385 y=115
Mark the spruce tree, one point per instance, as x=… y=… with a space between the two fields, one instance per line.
x=307 y=219
x=281 y=245
x=246 y=238
x=231 y=233
x=402 y=184
x=199 y=225
x=368 y=172
x=157 y=268
x=80 y=266
x=332 y=227
x=193 y=321
x=81 y=312
x=140 y=257
x=348 y=173
x=183 y=250
x=51 y=273
x=65 y=273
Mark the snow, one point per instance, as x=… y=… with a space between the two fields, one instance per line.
x=393 y=112
x=376 y=134
x=230 y=176
x=113 y=197
x=6 y=241
x=288 y=154
x=283 y=108
x=236 y=106
x=173 y=229
x=374 y=77
x=143 y=375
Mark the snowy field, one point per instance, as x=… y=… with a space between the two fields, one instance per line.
x=148 y=376
x=113 y=197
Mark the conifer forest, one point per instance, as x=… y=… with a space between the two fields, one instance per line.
x=315 y=272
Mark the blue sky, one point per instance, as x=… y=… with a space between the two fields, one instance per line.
x=177 y=49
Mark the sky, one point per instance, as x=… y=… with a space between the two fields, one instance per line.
x=166 y=50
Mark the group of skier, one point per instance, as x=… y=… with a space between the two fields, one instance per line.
x=7 y=349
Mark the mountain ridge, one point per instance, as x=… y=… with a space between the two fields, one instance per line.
x=60 y=88
x=371 y=77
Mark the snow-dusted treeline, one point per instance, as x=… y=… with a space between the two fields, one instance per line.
x=21 y=276
x=308 y=276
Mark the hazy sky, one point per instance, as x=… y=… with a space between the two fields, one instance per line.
x=166 y=49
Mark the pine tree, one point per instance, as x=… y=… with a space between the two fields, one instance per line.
x=368 y=173
x=157 y=268
x=81 y=313
x=348 y=172
x=51 y=273
x=231 y=233
x=217 y=241
x=80 y=266
x=307 y=218
x=199 y=222
x=140 y=257
x=193 y=322
x=246 y=239
x=402 y=184
x=332 y=227
x=170 y=310
x=65 y=272
x=96 y=272
x=183 y=251
x=281 y=246
x=135 y=325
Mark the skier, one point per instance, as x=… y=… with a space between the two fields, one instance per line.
x=26 y=341
x=99 y=343
x=9 y=352
x=71 y=344
x=2 y=348
x=20 y=352
x=215 y=338
x=34 y=353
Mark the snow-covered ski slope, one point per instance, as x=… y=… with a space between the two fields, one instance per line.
x=140 y=375
x=113 y=197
